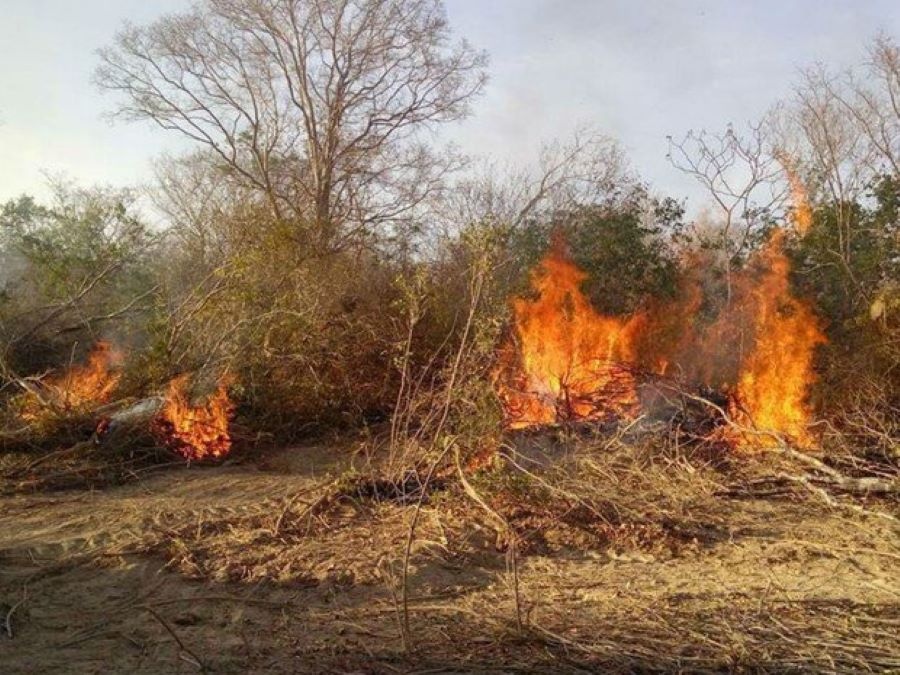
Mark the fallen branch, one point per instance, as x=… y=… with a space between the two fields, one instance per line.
x=859 y=486
x=12 y=610
x=864 y=486
x=185 y=652
x=56 y=454
x=807 y=482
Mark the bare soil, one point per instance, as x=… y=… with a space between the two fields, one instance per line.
x=250 y=568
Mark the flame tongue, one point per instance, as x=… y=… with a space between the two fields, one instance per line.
x=196 y=431
x=94 y=382
x=568 y=365
x=778 y=372
x=803 y=215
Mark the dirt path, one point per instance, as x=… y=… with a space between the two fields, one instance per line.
x=232 y=570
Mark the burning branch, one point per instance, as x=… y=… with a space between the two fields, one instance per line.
x=79 y=389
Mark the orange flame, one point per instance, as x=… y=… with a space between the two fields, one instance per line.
x=571 y=363
x=802 y=215
x=196 y=431
x=568 y=364
x=79 y=389
x=776 y=376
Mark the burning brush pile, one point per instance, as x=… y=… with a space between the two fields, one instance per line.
x=76 y=412
x=195 y=431
x=665 y=385
x=749 y=369
x=79 y=390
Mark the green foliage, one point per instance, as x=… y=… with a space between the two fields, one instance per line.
x=849 y=254
x=848 y=265
x=84 y=233
x=625 y=246
x=73 y=269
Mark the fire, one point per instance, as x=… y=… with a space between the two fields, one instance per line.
x=776 y=376
x=802 y=215
x=569 y=361
x=196 y=431
x=78 y=390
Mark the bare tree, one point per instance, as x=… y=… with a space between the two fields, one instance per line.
x=844 y=129
x=319 y=105
x=199 y=202
x=830 y=140
x=885 y=70
x=741 y=175
x=583 y=170
x=580 y=172
x=871 y=101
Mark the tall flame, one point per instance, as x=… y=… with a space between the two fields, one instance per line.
x=776 y=376
x=80 y=388
x=568 y=361
x=196 y=431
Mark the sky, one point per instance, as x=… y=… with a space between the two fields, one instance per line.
x=637 y=70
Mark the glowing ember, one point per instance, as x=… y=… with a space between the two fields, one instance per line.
x=568 y=361
x=79 y=389
x=775 y=378
x=196 y=431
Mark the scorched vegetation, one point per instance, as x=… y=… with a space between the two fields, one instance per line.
x=364 y=404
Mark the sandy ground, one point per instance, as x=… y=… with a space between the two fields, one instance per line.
x=232 y=570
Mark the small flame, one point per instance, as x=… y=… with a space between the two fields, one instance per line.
x=802 y=215
x=567 y=363
x=196 y=431
x=79 y=389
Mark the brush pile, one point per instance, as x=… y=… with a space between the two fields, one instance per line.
x=69 y=429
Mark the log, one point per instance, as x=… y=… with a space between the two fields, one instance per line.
x=130 y=426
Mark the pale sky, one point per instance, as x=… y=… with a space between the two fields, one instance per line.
x=637 y=70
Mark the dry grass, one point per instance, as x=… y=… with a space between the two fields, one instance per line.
x=631 y=553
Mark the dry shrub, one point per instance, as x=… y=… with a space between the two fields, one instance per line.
x=444 y=402
x=52 y=431
x=863 y=432
x=616 y=488
x=323 y=355
x=308 y=335
x=859 y=397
